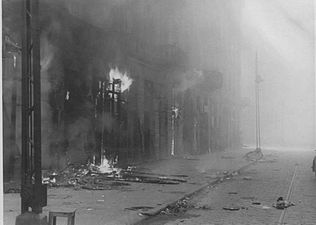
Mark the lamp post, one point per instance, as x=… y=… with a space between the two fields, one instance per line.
x=258 y=80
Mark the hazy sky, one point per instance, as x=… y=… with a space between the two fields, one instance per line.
x=281 y=32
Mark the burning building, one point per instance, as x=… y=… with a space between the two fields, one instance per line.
x=125 y=82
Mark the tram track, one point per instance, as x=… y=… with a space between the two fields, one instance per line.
x=288 y=196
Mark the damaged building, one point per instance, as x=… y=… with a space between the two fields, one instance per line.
x=133 y=84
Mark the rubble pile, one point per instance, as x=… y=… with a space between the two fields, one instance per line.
x=99 y=177
x=282 y=203
x=77 y=176
x=180 y=206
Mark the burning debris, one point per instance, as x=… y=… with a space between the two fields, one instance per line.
x=106 y=166
x=104 y=176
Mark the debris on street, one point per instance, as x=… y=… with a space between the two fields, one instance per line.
x=235 y=173
x=256 y=203
x=282 y=204
x=231 y=208
x=203 y=207
x=180 y=206
x=143 y=208
x=102 y=177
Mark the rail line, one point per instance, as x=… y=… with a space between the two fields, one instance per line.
x=288 y=196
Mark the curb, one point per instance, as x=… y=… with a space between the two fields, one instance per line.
x=157 y=210
x=138 y=217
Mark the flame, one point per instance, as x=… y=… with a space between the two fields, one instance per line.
x=67 y=95
x=107 y=166
x=126 y=81
x=175 y=111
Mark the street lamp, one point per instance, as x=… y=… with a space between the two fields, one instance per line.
x=258 y=80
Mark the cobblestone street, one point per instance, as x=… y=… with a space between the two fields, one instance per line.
x=99 y=207
x=248 y=197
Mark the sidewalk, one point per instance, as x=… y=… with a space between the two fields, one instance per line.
x=100 y=207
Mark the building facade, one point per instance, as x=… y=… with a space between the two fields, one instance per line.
x=181 y=73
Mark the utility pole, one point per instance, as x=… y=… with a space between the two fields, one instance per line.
x=314 y=75
x=33 y=192
x=258 y=80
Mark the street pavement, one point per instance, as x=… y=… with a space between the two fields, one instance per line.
x=248 y=198
x=111 y=206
